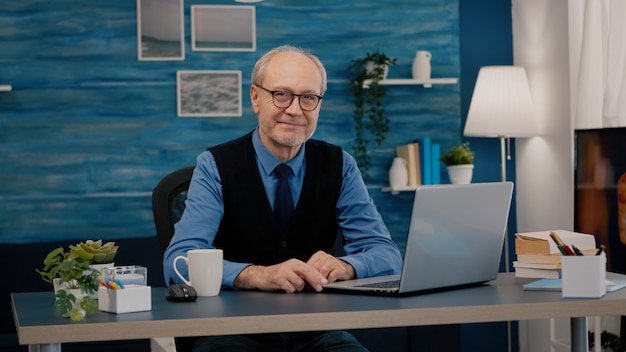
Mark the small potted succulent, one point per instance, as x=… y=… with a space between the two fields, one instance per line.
x=96 y=252
x=74 y=276
x=460 y=163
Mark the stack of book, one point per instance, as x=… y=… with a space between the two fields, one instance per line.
x=538 y=256
x=422 y=161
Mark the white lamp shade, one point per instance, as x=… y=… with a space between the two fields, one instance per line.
x=501 y=105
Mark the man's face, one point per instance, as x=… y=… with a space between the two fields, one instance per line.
x=287 y=128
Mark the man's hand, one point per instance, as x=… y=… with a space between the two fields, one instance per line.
x=331 y=268
x=290 y=276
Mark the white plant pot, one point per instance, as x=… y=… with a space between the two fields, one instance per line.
x=461 y=174
x=58 y=285
x=79 y=294
x=370 y=65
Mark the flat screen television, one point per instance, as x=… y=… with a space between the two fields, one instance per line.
x=600 y=190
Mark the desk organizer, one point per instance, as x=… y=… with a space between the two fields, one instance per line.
x=132 y=298
x=584 y=276
x=128 y=275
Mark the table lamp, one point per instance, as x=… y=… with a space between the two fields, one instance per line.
x=501 y=107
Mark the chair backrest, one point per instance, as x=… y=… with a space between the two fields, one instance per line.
x=168 y=203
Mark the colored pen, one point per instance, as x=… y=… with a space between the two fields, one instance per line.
x=576 y=250
x=600 y=250
x=559 y=243
x=556 y=238
x=103 y=283
x=568 y=250
x=120 y=284
x=112 y=285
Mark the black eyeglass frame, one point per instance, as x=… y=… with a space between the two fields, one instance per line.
x=293 y=96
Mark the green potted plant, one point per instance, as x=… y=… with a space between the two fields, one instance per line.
x=369 y=115
x=459 y=161
x=75 y=274
x=75 y=281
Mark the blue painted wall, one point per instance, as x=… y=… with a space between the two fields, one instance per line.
x=89 y=130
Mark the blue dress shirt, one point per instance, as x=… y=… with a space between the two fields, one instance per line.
x=368 y=244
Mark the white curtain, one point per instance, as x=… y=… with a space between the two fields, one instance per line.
x=598 y=62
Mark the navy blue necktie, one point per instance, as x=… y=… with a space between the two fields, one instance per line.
x=283 y=206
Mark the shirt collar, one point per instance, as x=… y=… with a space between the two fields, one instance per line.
x=268 y=161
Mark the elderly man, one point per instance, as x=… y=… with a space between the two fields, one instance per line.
x=275 y=200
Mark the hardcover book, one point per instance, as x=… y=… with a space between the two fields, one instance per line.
x=436 y=164
x=541 y=243
x=538 y=273
x=426 y=160
x=409 y=152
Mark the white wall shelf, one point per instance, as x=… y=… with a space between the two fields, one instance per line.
x=396 y=190
x=408 y=81
x=5 y=88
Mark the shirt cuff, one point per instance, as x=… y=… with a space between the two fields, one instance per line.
x=359 y=269
x=231 y=270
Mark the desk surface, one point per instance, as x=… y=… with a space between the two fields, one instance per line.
x=257 y=312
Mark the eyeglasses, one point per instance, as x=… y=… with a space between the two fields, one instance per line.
x=284 y=99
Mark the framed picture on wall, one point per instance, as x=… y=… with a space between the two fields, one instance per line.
x=160 y=30
x=223 y=28
x=208 y=93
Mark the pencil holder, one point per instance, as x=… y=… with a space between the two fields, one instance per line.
x=584 y=276
x=132 y=298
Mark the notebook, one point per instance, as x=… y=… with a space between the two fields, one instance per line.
x=555 y=285
x=455 y=239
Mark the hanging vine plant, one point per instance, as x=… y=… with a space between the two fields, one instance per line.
x=370 y=121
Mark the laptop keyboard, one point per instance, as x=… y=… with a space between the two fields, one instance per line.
x=385 y=284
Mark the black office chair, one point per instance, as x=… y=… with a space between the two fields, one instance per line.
x=168 y=204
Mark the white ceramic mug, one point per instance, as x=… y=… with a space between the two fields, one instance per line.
x=205 y=270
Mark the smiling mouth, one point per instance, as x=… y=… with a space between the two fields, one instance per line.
x=290 y=124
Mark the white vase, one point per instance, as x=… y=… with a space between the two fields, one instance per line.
x=398 y=174
x=421 y=65
x=461 y=174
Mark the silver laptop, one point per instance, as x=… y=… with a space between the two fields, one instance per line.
x=455 y=240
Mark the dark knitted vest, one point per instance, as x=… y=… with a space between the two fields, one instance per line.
x=249 y=231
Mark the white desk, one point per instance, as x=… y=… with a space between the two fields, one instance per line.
x=231 y=312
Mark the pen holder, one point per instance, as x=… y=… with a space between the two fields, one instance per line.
x=132 y=298
x=584 y=276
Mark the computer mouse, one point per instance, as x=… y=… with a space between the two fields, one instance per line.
x=181 y=293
